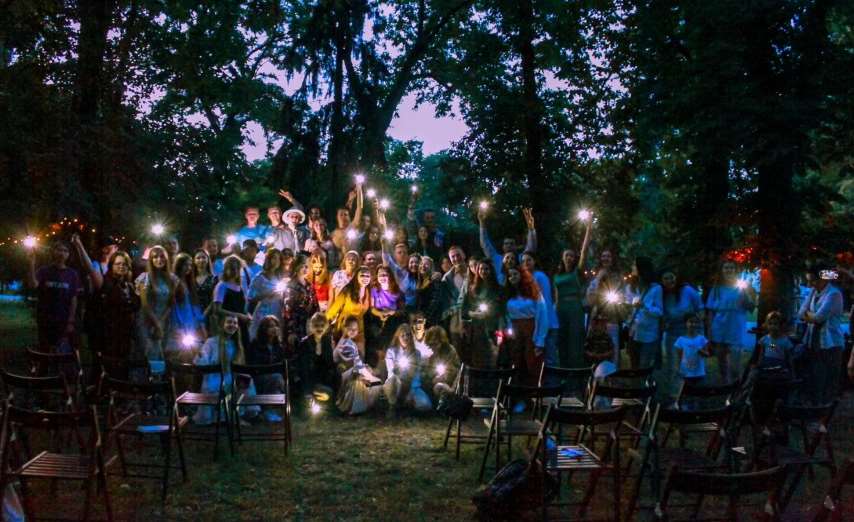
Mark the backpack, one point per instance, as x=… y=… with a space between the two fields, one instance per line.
x=516 y=488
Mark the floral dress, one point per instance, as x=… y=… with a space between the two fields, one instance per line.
x=299 y=303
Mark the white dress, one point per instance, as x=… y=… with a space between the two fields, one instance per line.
x=209 y=355
x=270 y=303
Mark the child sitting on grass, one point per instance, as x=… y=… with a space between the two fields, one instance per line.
x=359 y=388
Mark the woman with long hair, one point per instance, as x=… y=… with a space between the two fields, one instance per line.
x=444 y=364
x=403 y=363
x=479 y=306
x=267 y=349
x=354 y=300
x=187 y=317
x=727 y=305
x=341 y=277
x=264 y=291
x=205 y=279
x=529 y=324
x=371 y=242
x=223 y=349
x=679 y=300
x=318 y=276
x=386 y=313
x=156 y=288
x=645 y=298
x=323 y=241
x=113 y=309
x=298 y=304
x=230 y=296
x=358 y=391
x=605 y=294
x=568 y=284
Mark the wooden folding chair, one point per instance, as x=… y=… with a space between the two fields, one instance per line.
x=87 y=466
x=576 y=384
x=470 y=383
x=655 y=454
x=141 y=425
x=240 y=399
x=728 y=485
x=504 y=423
x=559 y=458
x=813 y=424
x=28 y=392
x=219 y=401
x=55 y=363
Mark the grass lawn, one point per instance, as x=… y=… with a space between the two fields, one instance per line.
x=339 y=468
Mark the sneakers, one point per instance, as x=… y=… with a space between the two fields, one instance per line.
x=272 y=416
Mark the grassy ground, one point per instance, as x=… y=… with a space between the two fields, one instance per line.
x=366 y=468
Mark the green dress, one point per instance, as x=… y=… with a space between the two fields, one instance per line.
x=570 y=314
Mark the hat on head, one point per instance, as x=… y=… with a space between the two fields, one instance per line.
x=294 y=210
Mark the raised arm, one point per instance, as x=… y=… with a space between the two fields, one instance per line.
x=582 y=255
x=95 y=275
x=291 y=199
x=360 y=204
x=485 y=243
x=531 y=238
x=32 y=281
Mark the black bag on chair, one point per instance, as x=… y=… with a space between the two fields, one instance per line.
x=455 y=406
x=516 y=488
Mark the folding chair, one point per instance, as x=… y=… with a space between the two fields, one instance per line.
x=833 y=509
x=505 y=424
x=470 y=380
x=48 y=393
x=569 y=378
x=87 y=466
x=55 y=363
x=140 y=425
x=729 y=485
x=241 y=399
x=219 y=401
x=656 y=455
x=813 y=423
x=557 y=457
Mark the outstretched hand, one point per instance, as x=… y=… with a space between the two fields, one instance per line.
x=481 y=215
x=529 y=218
x=286 y=194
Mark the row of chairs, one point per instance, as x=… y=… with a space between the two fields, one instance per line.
x=628 y=418
x=139 y=406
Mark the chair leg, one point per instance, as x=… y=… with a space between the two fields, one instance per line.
x=27 y=503
x=447 y=434
x=286 y=426
x=796 y=479
x=166 y=443
x=179 y=441
x=459 y=437
x=87 y=501
x=617 y=487
x=108 y=506
x=216 y=431
x=485 y=450
x=229 y=427
x=588 y=494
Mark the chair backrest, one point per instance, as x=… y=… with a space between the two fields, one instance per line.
x=193 y=369
x=55 y=385
x=556 y=419
x=471 y=377
x=801 y=413
x=50 y=358
x=256 y=370
x=642 y=393
x=569 y=378
x=682 y=421
x=704 y=391
x=588 y=418
x=137 y=390
x=112 y=365
x=632 y=373
x=731 y=485
x=510 y=394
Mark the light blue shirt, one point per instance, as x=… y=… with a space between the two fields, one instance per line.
x=258 y=233
x=644 y=325
x=729 y=305
x=827 y=307
x=683 y=302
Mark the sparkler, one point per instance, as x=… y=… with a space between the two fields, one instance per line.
x=352 y=234
x=158 y=229
x=270 y=240
x=188 y=340
x=384 y=204
x=403 y=363
x=612 y=297
x=360 y=179
x=315 y=408
x=440 y=369
x=483 y=307
x=388 y=234
x=282 y=285
x=231 y=239
x=484 y=205
x=414 y=188
x=584 y=214
x=371 y=193
x=30 y=242
x=741 y=284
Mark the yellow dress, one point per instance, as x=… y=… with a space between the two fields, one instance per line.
x=342 y=308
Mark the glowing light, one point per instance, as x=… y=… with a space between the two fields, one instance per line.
x=384 y=204
x=584 y=214
x=388 y=234
x=612 y=297
x=231 y=239
x=352 y=234
x=414 y=188
x=315 y=408
x=741 y=284
x=188 y=340
x=440 y=369
x=484 y=205
x=509 y=332
x=483 y=307
x=270 y=240
x=158 y=229
x=403 y=363
x=282 y=285
x=371 y=193
x=30 y=242
x=360 y=178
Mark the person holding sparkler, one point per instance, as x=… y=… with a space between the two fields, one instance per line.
x=156 y=288
x=403 y=364
x=353 y=301
x=359 y=390
x=727 y=304
x=479 y=304
x=442 y=367
x=314 y=361
x=318 y=276
x=264 y=291
x=58 y=288
x=568 y=283
x=267 y=349
x=187 y=317
x=298 y=303
x=604 y=294
x=528 y=317
x=230 y=297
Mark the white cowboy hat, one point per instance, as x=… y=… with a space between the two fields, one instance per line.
x=294 y=210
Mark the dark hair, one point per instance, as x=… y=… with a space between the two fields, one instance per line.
x=646 y=270
x=261 y=337
x=351 y=289
x=250 y=243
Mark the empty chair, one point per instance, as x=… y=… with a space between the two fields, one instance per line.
x=505 y=423
x=85 y=466
x=558 y=458
x=219 y=401
x=731 y=486
x=576 y=384
x=481 y=386
x=29 y=392
x=139 y=425
x=241 y=398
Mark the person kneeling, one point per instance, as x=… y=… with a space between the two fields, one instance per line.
x=315 y=367
x=403 y=363
x=267 y=349
x=359 y=390
x=443 y=365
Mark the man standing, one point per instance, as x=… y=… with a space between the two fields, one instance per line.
x=252 y=230
x=293 y=236
x=448 y=296
x=58 y=288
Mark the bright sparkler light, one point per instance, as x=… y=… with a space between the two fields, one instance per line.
x=188 y=340
x=403 y=363
x=584 y=214
x=315 y=408
x=282 y=285
x=352 y=234
x=30 y=242
x=741 y=284
x=384 y=204
x=388 y=234
x=484 y=205
x=440 y=369
x=231 y=239
x=371 y=193
x=414 y=188
x=270 y=240
x=157 y=229
x=509 y=332
x=612 y=297
x=360 y=178
x=483 y=307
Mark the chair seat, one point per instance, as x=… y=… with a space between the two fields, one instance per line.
x=786 y=456
x=483 y=402
x=626 y=403
x=573 y=457
x=56 y=465
x=518 y=426
x=703 y=427
x=270 y=399
x=686 y=458
x=148 y=424
x=565 y=402
x=198 y=399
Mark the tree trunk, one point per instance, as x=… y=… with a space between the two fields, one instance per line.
x=777 y=219
x=336 y=128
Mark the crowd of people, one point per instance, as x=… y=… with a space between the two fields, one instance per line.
x=373 y=309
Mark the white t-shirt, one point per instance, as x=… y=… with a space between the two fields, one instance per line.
x=692 y=364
